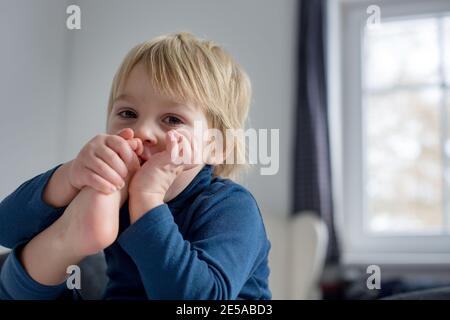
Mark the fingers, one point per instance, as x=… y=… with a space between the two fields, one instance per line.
x=136 y=145
x=113 y=160
x=140 y=147
x=126 y=133
x=133 y=144
x=102 y=169
x=103 y=162
x=98 y=183
x=121 y=147
x=186 y=150
x=173 y=148
x=181 y=149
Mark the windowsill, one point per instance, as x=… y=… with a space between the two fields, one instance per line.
x=400 y=261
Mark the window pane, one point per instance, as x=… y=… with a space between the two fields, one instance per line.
x=403 y=162
x=401 y=53
x=446 y=37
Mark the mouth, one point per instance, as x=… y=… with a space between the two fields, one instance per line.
x=141 y=161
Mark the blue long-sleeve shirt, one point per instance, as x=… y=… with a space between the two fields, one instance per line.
x=209 y=242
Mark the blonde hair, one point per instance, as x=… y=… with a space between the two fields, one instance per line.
x=187 y=69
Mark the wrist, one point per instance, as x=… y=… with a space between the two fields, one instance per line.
x=69 y=186
x=70 y=191
x=59 y=192
x=140 y=203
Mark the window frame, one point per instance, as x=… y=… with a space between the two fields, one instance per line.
x=346 y=19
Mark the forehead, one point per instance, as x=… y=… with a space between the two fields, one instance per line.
x=138 y=85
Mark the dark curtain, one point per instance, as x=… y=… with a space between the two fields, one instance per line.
x=312 y=166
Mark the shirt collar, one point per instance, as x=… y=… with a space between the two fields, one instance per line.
x=200 y=182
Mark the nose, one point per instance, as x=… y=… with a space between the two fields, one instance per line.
x=146 y=134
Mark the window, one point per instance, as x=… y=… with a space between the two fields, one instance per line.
x=405 y=105
x=390 y=130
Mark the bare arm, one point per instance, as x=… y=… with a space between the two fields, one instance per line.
x=46 y=256
x=59 y=192
x=89 y=224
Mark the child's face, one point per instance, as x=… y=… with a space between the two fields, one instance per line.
x=150 y=115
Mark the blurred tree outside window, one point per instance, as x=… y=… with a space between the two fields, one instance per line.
x=406 y=123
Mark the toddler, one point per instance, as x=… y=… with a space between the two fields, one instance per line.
x=172 y=224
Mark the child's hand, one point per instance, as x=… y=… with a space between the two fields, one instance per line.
x=158 y=173
x=93 y=222
x=137 y=146
x=104 y=162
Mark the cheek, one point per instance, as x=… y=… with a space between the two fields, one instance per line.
x=113 y=127
x=110 y=125
x=110 y=128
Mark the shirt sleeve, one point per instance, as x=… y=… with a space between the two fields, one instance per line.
x=16 y=283
x=214 y=264
x=23 y=213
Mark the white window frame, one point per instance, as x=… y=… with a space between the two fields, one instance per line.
x=346 y=19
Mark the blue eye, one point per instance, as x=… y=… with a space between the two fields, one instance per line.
x=129 y=112
x=172 y=121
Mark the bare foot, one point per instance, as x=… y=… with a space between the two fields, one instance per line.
x=93 y=224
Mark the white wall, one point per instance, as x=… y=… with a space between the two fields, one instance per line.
x=32 y=61
x=61 y=112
